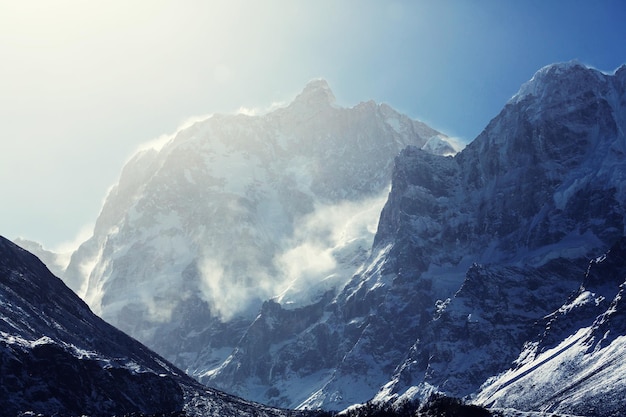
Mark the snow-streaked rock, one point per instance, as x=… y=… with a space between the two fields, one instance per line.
x=530 y=200
x=576 y=364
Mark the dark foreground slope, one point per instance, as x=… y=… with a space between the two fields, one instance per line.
x=58 y=358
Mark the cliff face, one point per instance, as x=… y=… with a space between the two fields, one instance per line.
x=542 y=171
x=529 y=202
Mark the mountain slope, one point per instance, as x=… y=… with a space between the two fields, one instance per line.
x=576 y=365
x=58 y=358
x=238 y=209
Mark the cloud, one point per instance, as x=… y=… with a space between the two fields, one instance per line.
x=306 y=262
x=259 y=111
x=457 y=143
x=159 y=142
x=213 y=286
x=248 y=111
x=230 y=294
x=327 y=247
x=64 y=250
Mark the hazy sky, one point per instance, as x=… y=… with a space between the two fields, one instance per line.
x=84 y=83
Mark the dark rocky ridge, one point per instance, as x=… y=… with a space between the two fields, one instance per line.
x=58 y=358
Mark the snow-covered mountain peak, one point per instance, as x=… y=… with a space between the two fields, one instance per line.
x=564 y=112
x=522 y=202
x=235 y=210
x=316 y=92
x=555 y=81
x=473 y=253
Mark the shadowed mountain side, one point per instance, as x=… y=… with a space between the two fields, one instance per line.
x=58 y=358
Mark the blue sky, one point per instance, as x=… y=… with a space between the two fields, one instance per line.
x=83 y=84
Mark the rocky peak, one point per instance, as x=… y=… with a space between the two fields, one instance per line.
x=316 y=93
x=561 y=80
x=608 y=269
x=536 y=194
x=620 y=74
x=558 y=118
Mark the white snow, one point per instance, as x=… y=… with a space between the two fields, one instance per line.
x=395 y=124
x=536 y=85
x=570 y=373
x=583 y=298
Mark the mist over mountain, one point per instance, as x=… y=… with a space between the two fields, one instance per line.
x=268 y=257
x=236 y=210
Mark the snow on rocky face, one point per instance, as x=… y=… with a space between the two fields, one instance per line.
x=576 y=364
x=236 y=210
x=58 y=358
x=529 y=202
x=471 y=252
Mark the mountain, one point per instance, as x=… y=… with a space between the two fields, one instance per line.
x=236 y=210
x=264 y=256
x=472 y=251
x=58 y=358
x=542 y=192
